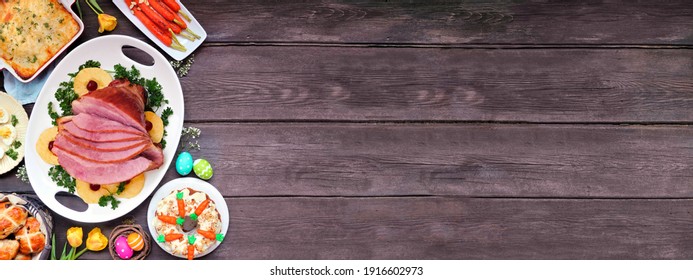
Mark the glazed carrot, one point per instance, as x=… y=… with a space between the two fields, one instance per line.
x=165 y=12
x=201 y=207
x=167 y=219
x=181 y=207
x=172 y=236
x=172 y=5
x=191 y=251
x=207 y=234
x=176 y=8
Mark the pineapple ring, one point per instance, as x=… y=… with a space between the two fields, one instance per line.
x=86 y=75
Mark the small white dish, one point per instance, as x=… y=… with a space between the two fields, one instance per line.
x=193 y=25
x=195 y=184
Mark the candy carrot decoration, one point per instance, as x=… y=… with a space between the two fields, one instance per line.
x=172 y=236
x=191 y=251
x=181 y=204
x=167 y=219
x=201 y=207
x=207 y=234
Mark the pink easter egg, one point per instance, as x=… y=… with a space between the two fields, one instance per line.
x=123 y=249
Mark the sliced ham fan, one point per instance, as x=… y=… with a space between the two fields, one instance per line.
x=106 y=141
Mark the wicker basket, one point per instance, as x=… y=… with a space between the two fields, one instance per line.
x=124 y=230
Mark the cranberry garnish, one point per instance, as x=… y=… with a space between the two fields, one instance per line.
x=126 y=182
x=94 y=187
x=92 y=86
x=50 y=145
x=148 y=125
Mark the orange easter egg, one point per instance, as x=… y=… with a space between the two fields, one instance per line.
x=135 y=241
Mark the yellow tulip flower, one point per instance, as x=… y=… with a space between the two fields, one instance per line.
x=74 y=236
x=96 y=241
x=107 y=22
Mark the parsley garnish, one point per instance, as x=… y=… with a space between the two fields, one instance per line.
x=155 y=98
x=53 y=114
x=62 y=178
x=12 y=154
x=104 y=200
x=14 y=120
x=165 y=114
x=90 y=64
x=65 y=95
x=121 y=188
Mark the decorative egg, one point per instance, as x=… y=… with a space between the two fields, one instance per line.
x=184 y=163
x=203 y=169
x=123 y=249
x=135 y=241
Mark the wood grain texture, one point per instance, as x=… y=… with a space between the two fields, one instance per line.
x=468 y=160
x=375 y=84
x=435 y=22
x=443 y=228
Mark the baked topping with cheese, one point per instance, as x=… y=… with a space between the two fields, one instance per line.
x=32 y=32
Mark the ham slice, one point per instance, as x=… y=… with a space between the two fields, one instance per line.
x=101 y=173
x=103 y=146
x=99 y=156
x=121 y=103
x=96 y=136
x=94 y=123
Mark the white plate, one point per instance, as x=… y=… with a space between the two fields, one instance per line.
x=195 y=184
x=13 y=108
x=193 y=25
x=66 y=4
x=108 y=51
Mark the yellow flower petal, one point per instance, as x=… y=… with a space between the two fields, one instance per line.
x=74 y=236
x=96 y=241
x=107 y=22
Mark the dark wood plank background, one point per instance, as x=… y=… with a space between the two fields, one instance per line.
x=441 y=130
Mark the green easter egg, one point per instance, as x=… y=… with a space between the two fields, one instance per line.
x=203 y=169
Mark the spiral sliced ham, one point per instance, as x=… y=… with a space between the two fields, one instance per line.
x=106 y=141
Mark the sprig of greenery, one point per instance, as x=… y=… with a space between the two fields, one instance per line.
x=188 y=138
x=14 y=120
x=62 y=178
x=21 y=174
x=183 y=67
